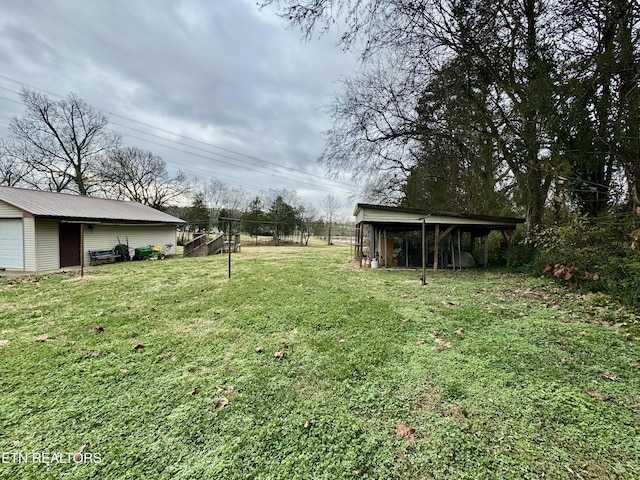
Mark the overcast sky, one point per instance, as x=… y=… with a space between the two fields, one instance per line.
x=172 y=73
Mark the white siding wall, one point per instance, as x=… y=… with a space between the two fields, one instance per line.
x=30 y=259
x=47 y=245
x=104 y=237
x=7 y=211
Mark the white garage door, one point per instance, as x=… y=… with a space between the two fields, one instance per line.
x=11 y=246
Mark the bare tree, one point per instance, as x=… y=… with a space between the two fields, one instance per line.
x=223 y=200
x=62 y=141
x=374 y=125
x=14 y=171
x=404 y=44
x=330 y=206
x=213 y=193
x=307 y=216
x=134 y=174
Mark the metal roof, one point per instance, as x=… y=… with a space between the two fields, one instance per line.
x=389 y=214
x=82 y=208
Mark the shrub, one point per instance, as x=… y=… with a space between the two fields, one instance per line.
x=599 y=246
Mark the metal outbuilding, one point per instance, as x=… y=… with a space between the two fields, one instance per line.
x=46 y=231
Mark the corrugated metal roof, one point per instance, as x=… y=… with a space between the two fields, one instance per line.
x=419 y=214
x=75 y=207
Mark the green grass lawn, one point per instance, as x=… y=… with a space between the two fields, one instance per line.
x=305 y=366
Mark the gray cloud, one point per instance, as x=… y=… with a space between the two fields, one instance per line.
x=220 y=72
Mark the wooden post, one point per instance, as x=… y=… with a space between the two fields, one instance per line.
x=453 y=253
x=406 y=251
x=386 y=251
x=372 y=244
x=424 y=251
x=436 y=248
x=82 y=250
x=459 y=250
x=438 y=239
x=486 y=250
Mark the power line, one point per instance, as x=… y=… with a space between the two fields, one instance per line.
x=251 y=157
x=346 y=188
x=218 y=157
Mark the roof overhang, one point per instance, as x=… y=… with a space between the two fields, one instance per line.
x=397 y=218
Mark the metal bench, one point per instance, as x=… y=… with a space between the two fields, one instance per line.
x=98 y=257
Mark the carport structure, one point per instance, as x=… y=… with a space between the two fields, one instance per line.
x=412 y=238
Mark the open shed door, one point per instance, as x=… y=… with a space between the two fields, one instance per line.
x=69 y=244
x=11 y=244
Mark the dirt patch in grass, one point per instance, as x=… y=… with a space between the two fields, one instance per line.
x=431 y=402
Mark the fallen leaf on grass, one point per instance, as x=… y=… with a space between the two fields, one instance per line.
x=97 y=329
x=420 y=342
x=77 y=457
x=608 y=376
x=43 y=338
x=223 y=402
x=138 y=347
x=442 y=342
x=459 y=332
x=4 y=342
x=635 y=364
x=598 y=396
x=285 y=345
x=195 y=391
x=228 y=390
x=449 y=304
x=436 y=349
x=166 y=356
x=259 y=350
x=280 y=355
x=433 y=334
x=406 y=432
x=308 y=422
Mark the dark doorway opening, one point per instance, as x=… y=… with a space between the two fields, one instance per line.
x=69 y=236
